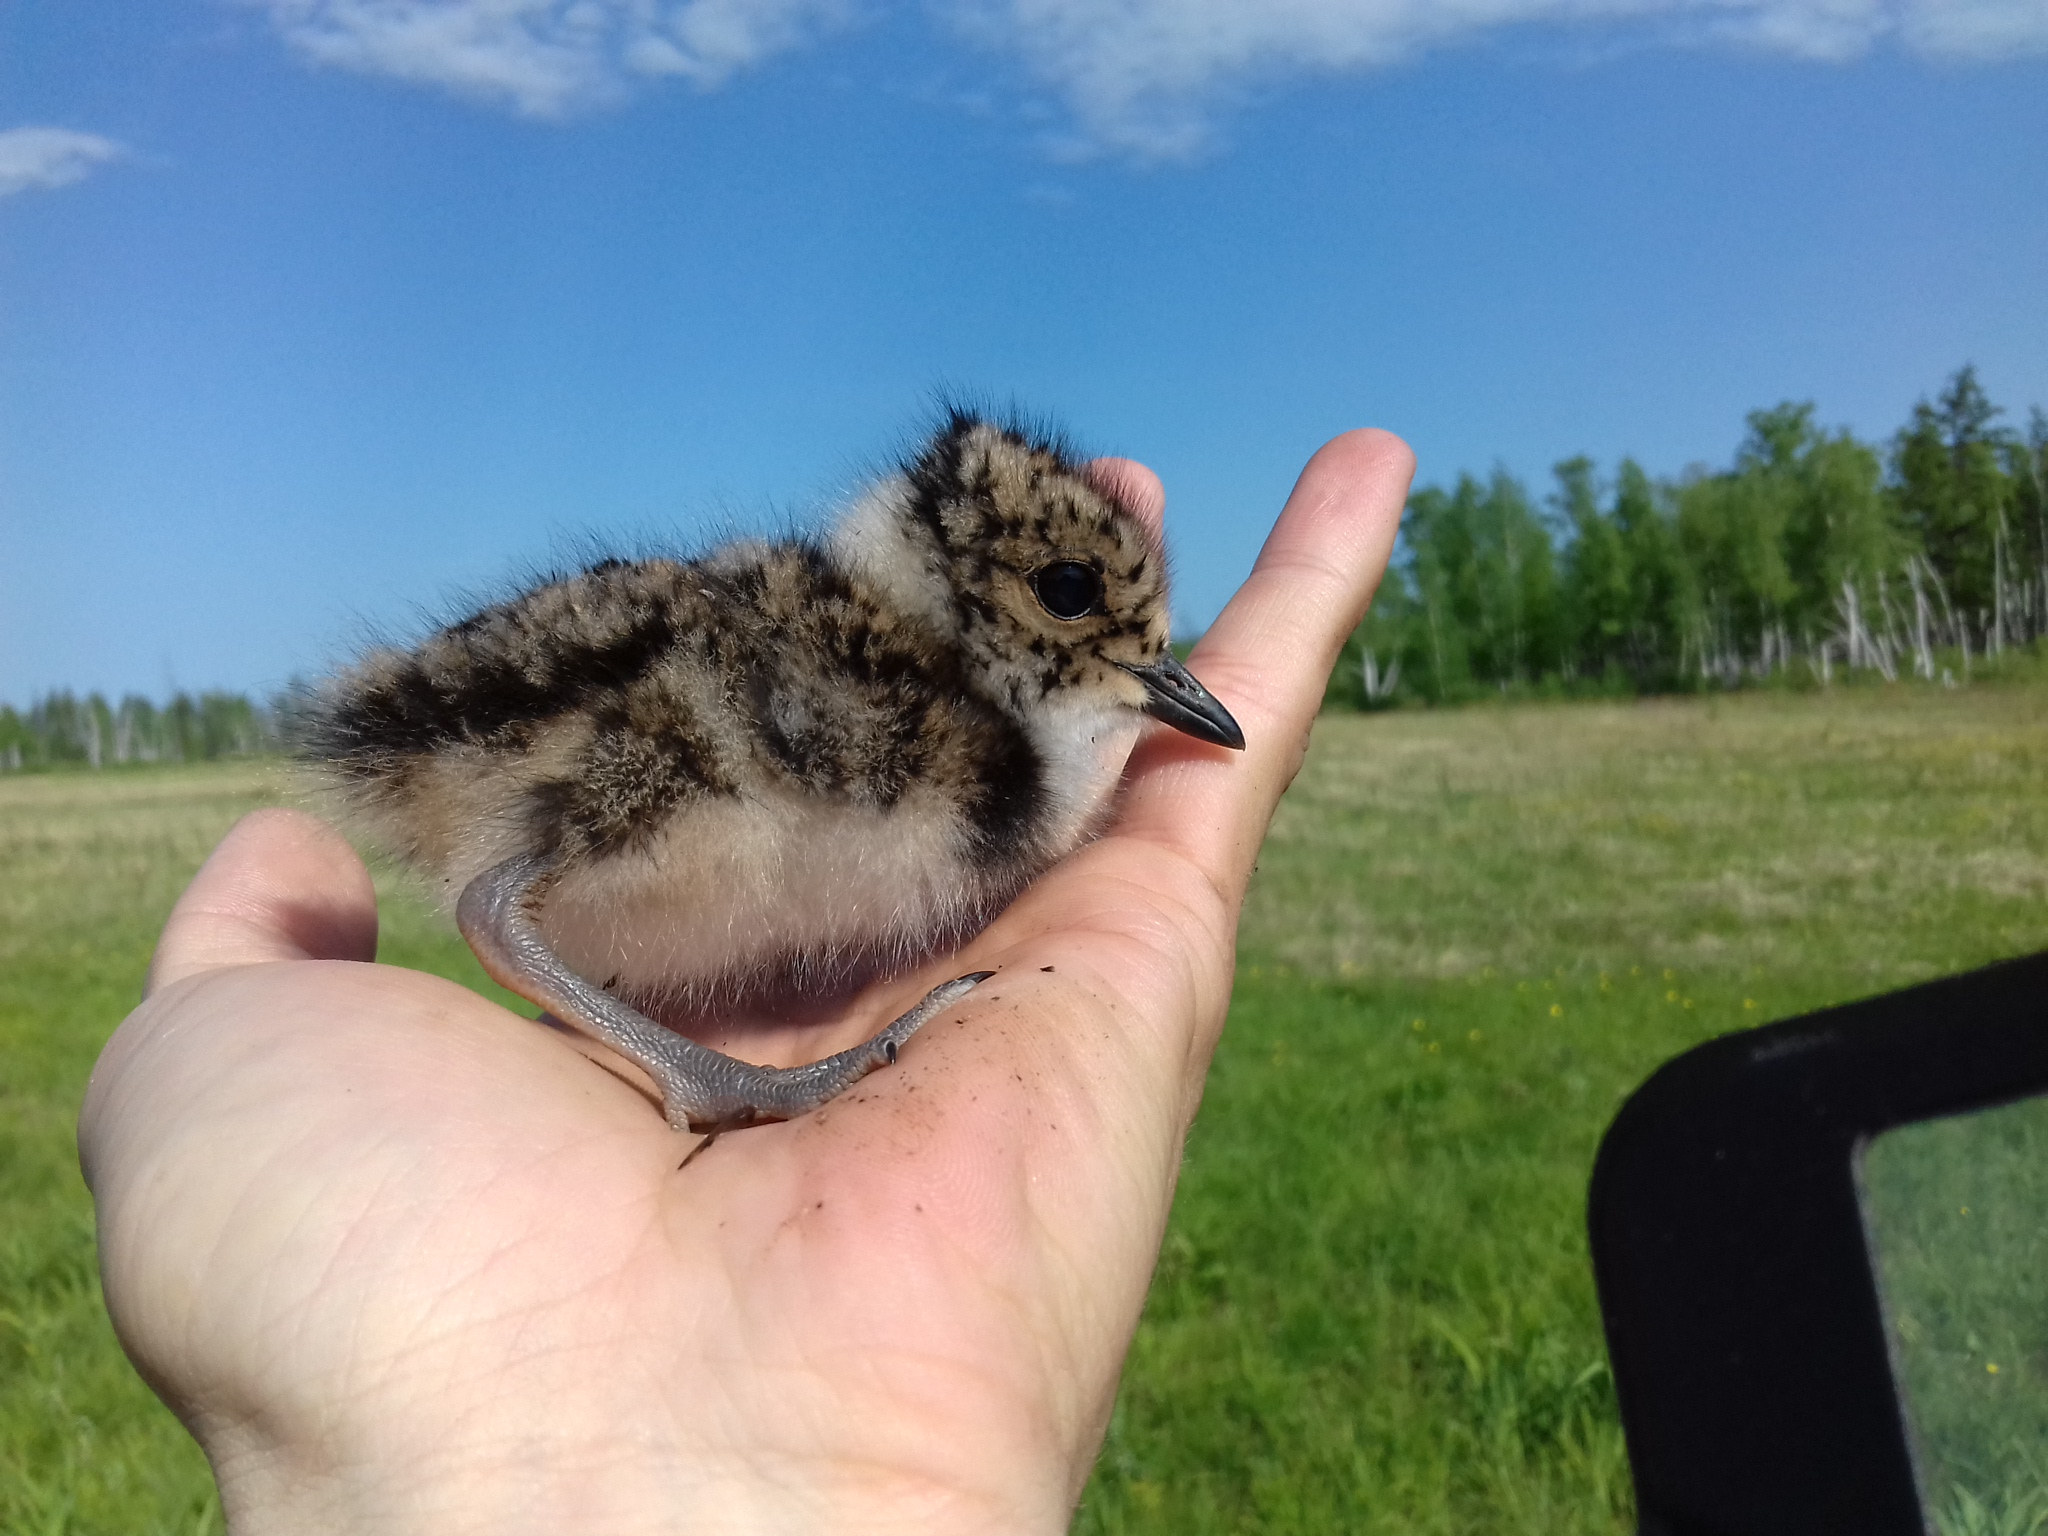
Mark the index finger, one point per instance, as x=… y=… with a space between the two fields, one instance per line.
x=1268 y=658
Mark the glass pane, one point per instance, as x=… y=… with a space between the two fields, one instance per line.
x=1957 y=1212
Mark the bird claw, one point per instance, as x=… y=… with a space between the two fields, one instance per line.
x=730 y=1095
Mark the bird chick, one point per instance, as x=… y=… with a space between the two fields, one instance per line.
x=783 y=767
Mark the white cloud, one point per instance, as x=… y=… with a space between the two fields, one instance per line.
x=1977 y=29
x=1142 y=76
x=548 y=58
x=1139 y=74
x=50 y=157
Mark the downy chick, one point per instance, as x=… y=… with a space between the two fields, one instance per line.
x=782 y=767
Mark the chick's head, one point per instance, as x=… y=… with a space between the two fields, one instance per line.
x=1059 y=588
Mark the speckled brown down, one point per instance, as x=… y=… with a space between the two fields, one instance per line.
x=784 y=766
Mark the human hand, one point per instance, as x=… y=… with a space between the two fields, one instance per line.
x=404 y=1262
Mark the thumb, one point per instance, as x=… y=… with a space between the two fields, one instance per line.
x=282 y=885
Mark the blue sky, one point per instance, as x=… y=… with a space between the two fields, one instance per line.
x=318 y=314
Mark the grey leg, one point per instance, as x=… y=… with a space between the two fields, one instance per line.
x=701 y=1089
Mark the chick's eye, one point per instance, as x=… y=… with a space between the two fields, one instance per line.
x=1067 y=589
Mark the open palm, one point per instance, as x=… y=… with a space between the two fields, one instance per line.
x=403 y=1261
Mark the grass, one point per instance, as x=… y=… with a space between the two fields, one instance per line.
x=1959 y=1210
x=1473 y=932
x=1859 y=838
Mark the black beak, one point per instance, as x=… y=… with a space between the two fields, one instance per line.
x=1173 y=695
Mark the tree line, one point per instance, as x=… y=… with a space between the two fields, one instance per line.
x=62 y=729
x=1812 y=555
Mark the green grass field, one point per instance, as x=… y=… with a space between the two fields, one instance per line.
x=1473 y=932
x=1959 y=1210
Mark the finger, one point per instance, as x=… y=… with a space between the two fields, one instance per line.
x=282 y=885
x=1269 y=654
x=1131 y=483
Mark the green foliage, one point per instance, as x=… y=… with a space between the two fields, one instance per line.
x=1812 y=552
x=1953 y=490
x=63 y=730
x=1485 y=579
x=2026 y=467
x=1599 y=574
